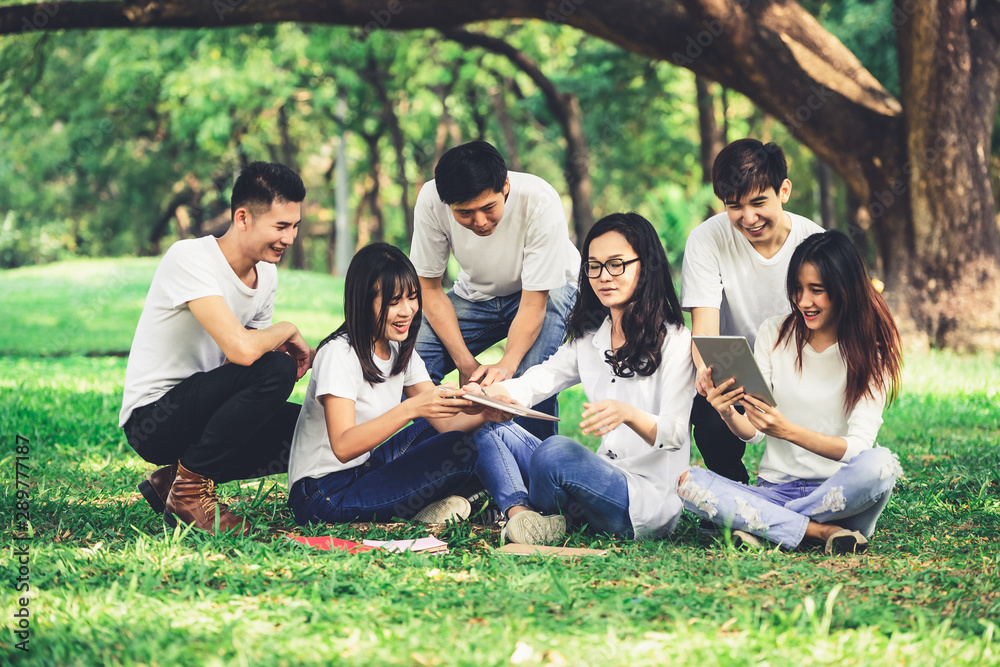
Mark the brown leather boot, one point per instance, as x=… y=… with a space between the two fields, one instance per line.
x=156 y=487
x=192 y=500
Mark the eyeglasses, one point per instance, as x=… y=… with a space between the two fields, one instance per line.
x=615 y=267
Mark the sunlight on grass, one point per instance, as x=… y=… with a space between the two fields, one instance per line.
x=112 y=585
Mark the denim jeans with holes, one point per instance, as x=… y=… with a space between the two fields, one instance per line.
x=853 y=498
x=485 y=323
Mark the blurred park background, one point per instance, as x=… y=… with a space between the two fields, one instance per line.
x=118 y=142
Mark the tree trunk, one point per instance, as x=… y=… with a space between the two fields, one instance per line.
x=566 y=108
x=498 y=97
x=374 y=229
x=288 y=159
x=824 y=195
x=920 y=175
x=951 y=279
x=391 y=120
x=713 y=138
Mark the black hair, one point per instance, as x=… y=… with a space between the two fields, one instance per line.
x=260 y=184
x=469 y=170
x=377 y=269
x=654 y=302
x=866 y=333
x=748 y=167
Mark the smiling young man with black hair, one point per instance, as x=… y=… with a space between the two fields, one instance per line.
x=733 y=278
x=208 y=374
x=519 y=269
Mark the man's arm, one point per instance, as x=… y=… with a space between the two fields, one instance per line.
x=704 y=322
x=522 y=334
x=244 y=346
x=441 y=316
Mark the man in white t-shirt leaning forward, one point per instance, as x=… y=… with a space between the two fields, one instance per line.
x=208 y=375
x=519 y=270
x=735 y=266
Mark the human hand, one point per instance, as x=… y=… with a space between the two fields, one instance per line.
x=604 y=416
x=488 y=374
x=767 y=419
x=703 y=381
x=442 y=401
x=298 y=349
x=496 y=414
x=724 y=397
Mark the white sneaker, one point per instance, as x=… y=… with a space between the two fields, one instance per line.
x=530 y=527
x=454 y=508
x=743 y=539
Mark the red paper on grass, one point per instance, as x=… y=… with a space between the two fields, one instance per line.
x=331 y=543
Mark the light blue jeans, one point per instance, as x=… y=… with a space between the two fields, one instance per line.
x=853 y=498
x=485 y=323
x=563 y=477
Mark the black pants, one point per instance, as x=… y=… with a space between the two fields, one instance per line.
x=229 y=423
x=721 y=448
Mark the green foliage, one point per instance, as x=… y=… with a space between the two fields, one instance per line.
x=112 y=585
x=110 y=133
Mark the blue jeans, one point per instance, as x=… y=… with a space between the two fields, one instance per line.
x=485 y=323
x=505 y=452
x=852 y=498
x=410 y=470
x=566 y=477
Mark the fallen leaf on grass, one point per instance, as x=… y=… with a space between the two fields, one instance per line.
x=554 y=659
x=728 y=624
x=422 y=660
x=522 y=653
x=92 y=550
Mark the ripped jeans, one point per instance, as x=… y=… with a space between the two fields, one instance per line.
x=853 y=498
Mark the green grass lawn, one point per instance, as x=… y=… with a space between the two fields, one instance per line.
x=110 y=584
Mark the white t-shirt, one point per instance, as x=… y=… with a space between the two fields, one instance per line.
x=529 y=250
x=170 y=345
x=336 y=371
x=652 y=471
x=723 y=270
x=813 y=399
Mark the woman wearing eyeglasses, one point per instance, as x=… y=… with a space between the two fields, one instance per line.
x=629 y=348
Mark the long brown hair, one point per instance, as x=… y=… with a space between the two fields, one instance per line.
x=866 y=333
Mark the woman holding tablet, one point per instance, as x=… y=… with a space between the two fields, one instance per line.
x=629 y=349
x=832 y=365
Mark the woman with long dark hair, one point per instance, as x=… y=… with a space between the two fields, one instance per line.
x=355 y=454
x=832 y=364
x=629 y=349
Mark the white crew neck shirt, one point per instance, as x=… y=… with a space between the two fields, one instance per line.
x=336 y=371
x=529 y=250
x=723 y=270
x=813 y=399
x=170 y=345
x=651 y=471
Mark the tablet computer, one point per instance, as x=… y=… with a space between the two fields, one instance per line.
x=731 y=357
x=518 y=410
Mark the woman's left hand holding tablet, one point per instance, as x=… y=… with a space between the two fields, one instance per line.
x=766 y=419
